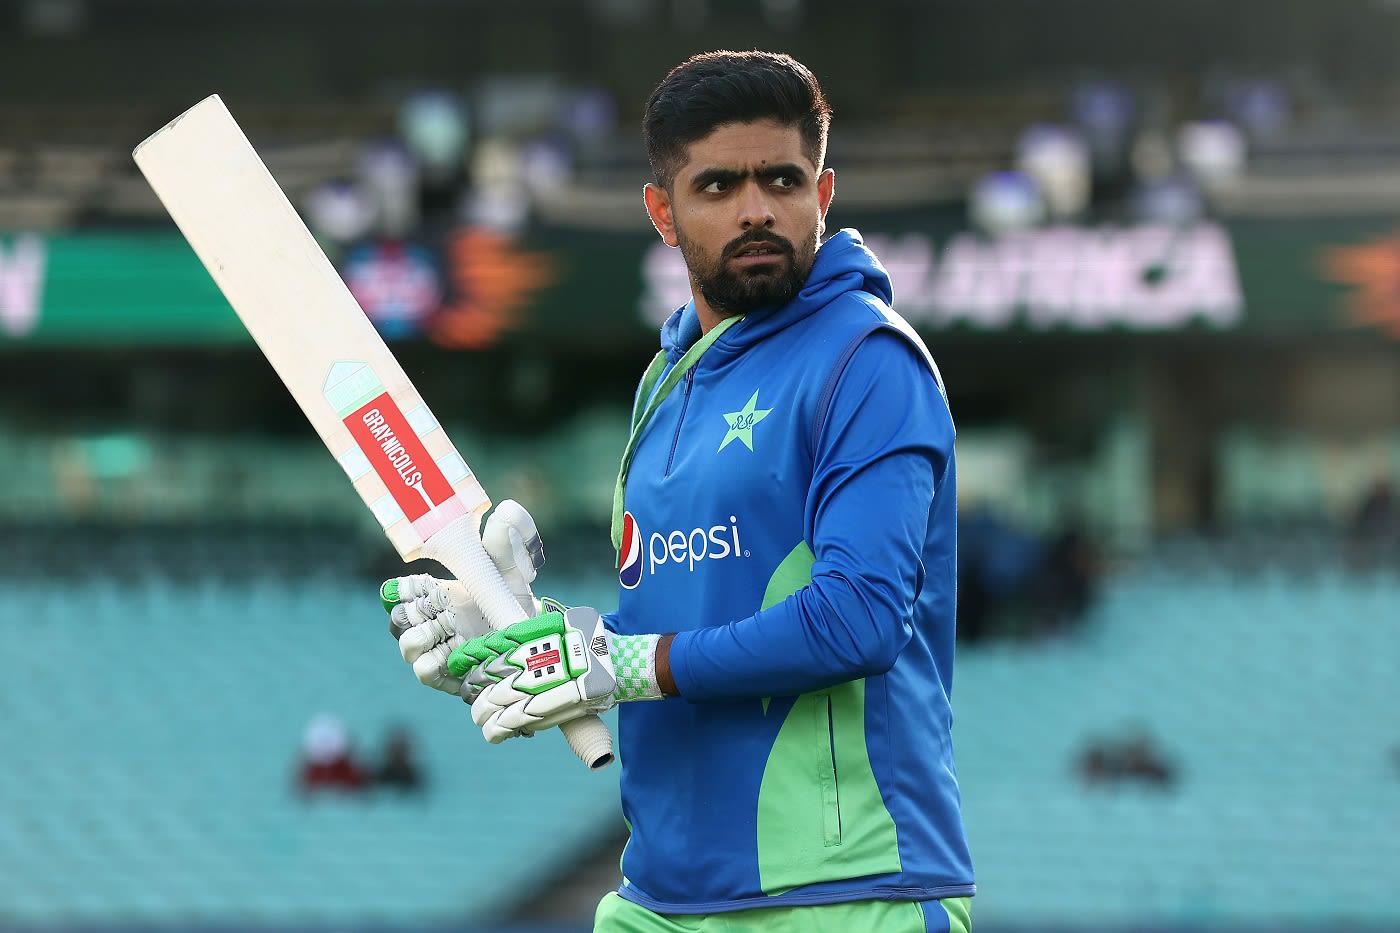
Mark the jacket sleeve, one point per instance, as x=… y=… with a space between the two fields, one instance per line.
x=880 y=456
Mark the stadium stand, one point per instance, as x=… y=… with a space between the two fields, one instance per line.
x=1269 y=693
x=150 y=771
x=147 y=772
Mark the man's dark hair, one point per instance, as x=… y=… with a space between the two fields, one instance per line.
x=717 y=88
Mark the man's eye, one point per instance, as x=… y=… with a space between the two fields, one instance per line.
x=716 y=187
x=784 y=181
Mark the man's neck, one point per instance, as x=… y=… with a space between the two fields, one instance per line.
x=709 y=318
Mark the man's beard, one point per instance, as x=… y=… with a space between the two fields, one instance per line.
x=730 y=293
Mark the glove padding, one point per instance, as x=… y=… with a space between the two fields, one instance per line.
x=429 y=617
x=555 y=667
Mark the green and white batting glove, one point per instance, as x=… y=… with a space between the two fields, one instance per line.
x=429 y=617
x=557 y=666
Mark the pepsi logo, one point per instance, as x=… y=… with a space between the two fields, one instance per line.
x=680 y=549
x=630 y=555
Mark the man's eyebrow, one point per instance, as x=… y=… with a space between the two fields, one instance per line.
x=709 y=176
x=782 y=170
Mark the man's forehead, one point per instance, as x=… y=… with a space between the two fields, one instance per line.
x=742 y=146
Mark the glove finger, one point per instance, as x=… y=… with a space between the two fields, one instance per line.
x=424 y=607
x=404 y=589
x=431 y=669
x=494 y=698
x=496 y=733
x=483 y=709
x=421 y=638
x=515 y=717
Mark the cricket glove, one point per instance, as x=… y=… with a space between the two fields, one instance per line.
x=431 y=617
x=557 y=666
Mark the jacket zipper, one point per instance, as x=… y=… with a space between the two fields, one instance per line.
x=685 y=404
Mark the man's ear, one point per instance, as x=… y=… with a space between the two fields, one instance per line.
x=659 y=210
x=826 y=190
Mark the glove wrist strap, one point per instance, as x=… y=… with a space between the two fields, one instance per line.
x=634 y=665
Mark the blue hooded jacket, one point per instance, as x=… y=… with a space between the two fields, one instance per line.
x=788 y=507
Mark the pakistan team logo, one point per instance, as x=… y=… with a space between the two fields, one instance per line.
x=741 y=423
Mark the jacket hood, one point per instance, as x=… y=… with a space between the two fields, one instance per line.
x=843 y=264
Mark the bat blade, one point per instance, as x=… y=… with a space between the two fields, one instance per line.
x=309 y=326
x=332 y=360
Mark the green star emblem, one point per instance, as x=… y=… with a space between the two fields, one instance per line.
x=741 y=423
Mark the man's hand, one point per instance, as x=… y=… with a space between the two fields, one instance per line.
x=430 y=617
x=558 y=666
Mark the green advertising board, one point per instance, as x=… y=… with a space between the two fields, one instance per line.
x=102 y=288
x=476 y=287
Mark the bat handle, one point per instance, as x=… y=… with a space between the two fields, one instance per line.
x=458 y=548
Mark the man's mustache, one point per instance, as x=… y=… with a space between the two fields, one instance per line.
x=743 y=242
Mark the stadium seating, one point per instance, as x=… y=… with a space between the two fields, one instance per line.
x=145 y=783
x=1272 y=695
x=145 y=786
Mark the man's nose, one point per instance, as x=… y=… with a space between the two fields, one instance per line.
x=755 y=207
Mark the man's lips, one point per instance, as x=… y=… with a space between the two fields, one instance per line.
x=757 y=253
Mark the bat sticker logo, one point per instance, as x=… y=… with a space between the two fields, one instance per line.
x=397 y=454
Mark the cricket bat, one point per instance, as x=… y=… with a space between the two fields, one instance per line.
x=332 y=360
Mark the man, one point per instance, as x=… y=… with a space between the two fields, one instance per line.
x=785 y=521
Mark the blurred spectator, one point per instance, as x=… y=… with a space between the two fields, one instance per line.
x=435 y=127
x=974 y=602
x=1005 y=202
x=1067 y=580
x=391 y=177
x=1262 y=105
x=589 y=115
x=1056 y=158
x=327 y=762
x=1013 y=583
x=1375 y=526
x=996 y=563
x=339 y=212
x=399 y=768
x=1376 y=515
x=1106 y=113
x=1213 y=152
x=1132 y=758
x=1173 y=200
x=1096 y=765
x=1143 y=761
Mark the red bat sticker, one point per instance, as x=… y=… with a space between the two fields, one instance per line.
x=399 y=457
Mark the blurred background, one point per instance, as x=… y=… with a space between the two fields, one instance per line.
x=1155 y=248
